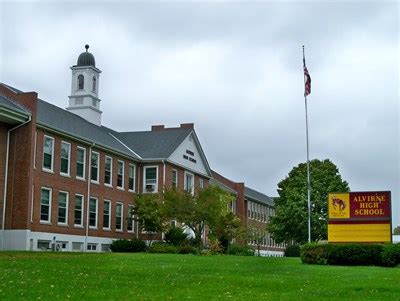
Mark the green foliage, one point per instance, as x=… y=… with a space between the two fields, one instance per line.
x=351 y=254
x=290 y=223
x=125 y=245
x=396 y=231
x=239 y=250
x=159 y=247
x=313 y=253
x=206 y=207
x=176 y=236
x=292 y=251
x=148 y=212
x=390 y=255
x=215 y=247
x=187 y=250
x=354 y=254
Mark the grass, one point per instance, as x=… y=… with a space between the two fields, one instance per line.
x=113 y=276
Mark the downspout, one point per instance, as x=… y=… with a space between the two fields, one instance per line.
x=6 y=179
x=163 y=188
x=89 y=173
x=137 y=192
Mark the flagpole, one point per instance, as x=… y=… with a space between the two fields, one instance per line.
x=308 y=161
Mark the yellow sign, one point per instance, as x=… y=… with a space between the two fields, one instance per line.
x=339 y=205
x=359 y=233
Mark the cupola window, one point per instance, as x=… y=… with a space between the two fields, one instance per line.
x=80 y=82
x=94 y=84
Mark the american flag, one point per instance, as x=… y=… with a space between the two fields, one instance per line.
x=307 y=82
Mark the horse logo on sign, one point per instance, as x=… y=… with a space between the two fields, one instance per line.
x=338 y=204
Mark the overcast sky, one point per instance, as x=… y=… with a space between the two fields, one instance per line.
x=235 y=70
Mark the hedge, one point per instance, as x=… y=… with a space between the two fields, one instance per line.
x=126 y=245
x=292 y=251
x=351 y=254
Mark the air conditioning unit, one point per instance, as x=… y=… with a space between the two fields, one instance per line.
x=150 y=187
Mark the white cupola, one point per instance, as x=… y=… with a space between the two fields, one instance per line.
x=84 y=99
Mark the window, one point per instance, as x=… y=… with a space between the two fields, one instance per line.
x=131 y=220
x=43 y=244
x=174 y=178
x=189 y=187
x=95 y=167
x=63 y=207
x=77 y=246
x=48 y=153
x=80 y=162
x=131 y=177
x=65 y=155
x=91 y=247
x=78 y=210
x=201 y=183
x=120 y=174
x=105 y=248
x=45 y=205
x=150 y=179
x=106 y=214
x=94 y=84
x=118 y=217
x=80 y=82
x=93 y=213
x=108 y=171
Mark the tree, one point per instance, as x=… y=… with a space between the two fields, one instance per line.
x=206 y=207
x=149 y=213
x=396 y=231
x=228 y=227
x=290 y=223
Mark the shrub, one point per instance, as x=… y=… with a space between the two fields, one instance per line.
x=215 y=247
x=354 y=254
x=292 y=251
x=187 y=250
x=239 y=250
x=176 y=236
x=159 y=247
x=126 y=245
x=390 y=255
x=313 y=253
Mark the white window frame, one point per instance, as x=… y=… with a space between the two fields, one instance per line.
x=84 y=163
x=98 y=168
x=69 y=159
x=123 y=174
x=122 y=217
x=184 y=182
x=97 y=212
x=82 y=209
x=66 y=208
x=133 y=166
x=111 y=171
x=109 y=214
x=52 y=155
x=130 y=215
x=50 y=201
x=201 y=183
x=174 y=171
x=144 y=179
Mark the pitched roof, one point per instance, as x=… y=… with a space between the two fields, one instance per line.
x=69 y=123
x=258 y=196
x=154 y=144
x=215 y=182
x=12 y=105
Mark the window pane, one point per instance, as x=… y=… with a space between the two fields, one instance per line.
x=78 y=210
x=120 y=173
x=118 y=217
x=106 y=215
x=80 y=162
x=107 y=171
x=48 y=153
x=94 y=166
x=45 y=205
x=93 y=212
x=62 y=207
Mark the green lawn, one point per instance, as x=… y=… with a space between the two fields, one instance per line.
x=52 y=276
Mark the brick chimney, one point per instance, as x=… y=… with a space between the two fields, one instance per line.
x=187 y=126
x=158 y=127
